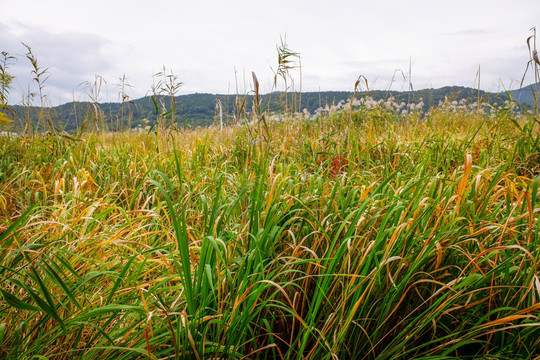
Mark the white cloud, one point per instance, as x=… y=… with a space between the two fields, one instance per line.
x=204 y=41
x=69 y=59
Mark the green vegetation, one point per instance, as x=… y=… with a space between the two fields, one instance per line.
x=365 y=234
x=196 y=110
x=5 y=86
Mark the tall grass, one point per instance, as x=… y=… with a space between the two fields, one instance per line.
x=40 y=76
x=360 y=234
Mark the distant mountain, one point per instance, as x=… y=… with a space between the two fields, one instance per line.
x=201 y=109
x=525 y=95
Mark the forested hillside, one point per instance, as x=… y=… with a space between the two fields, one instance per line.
x=195 y=110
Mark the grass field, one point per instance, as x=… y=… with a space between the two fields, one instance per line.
x=362 y=235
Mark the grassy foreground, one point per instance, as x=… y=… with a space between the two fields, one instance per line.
x=358 y=235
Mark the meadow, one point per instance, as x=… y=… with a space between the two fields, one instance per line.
x=357 y=234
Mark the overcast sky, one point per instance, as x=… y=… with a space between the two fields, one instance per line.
x=205 y=42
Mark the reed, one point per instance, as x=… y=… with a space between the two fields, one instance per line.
x=40 y=76
x=6 y=80
x=380 y=238
x=534 y=62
